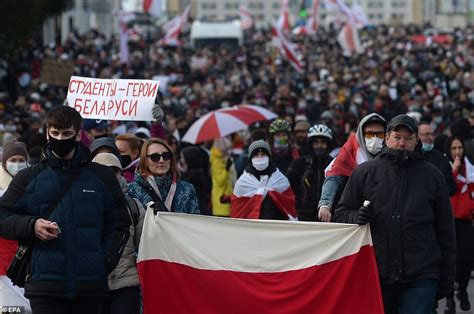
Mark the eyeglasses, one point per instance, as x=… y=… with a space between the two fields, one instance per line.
x=155 y=157
x=378 y=134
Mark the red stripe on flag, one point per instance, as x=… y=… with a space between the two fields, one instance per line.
x=347 y=285
x=147 y=5
x=348 y=32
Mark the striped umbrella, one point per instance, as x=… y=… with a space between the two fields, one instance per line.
x=225 y=121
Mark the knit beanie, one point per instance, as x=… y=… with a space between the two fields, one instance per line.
x=258 y=145
x=12 y=149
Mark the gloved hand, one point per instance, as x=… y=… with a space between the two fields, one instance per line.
x=157 y=112
x=366 y=214
x=225 y=199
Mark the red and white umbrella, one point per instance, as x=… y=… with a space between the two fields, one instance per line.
x=222 y=122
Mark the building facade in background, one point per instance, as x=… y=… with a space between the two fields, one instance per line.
x=102 y=14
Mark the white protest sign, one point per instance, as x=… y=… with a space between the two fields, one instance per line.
x=105 y=99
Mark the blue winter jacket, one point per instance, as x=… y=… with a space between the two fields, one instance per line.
x=92 y=217
x=185 y=199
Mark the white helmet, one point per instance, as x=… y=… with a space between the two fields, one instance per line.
x=320 y=130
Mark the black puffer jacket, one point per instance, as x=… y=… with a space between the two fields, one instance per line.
x=413 y=229
x=92 y=216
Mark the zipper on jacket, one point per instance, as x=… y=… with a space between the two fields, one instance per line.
x=396 y=224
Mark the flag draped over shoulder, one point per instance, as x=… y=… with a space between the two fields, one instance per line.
x=347 y=160
x=249 y=193
x=203 y=264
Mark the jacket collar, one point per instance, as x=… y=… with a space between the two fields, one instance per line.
x=399 y=156
x=82 y=155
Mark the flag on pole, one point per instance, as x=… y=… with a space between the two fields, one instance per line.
x=174 y=28
x=313 y=22
x=152 y=7
x=287 y=49
x=246 y=20
x=190 y=263
x=349 y=40
x=124 y=18
x=284 y=18
x=360 y=19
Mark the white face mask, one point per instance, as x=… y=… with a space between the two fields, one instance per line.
x=14 y=167
x=260 y=163
x=374 y=145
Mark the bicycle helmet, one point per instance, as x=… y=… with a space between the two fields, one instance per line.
x=320 y=130
x=279 y=125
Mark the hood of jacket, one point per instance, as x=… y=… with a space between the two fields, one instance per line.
x=370 y=118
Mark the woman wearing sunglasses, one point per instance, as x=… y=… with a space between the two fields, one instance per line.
x=156 y=180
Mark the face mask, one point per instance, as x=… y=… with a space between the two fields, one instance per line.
x=318 y=152
x=301 y=141
x=126 y=160
x=280 y=143
x=374 y=145
x=123 y=183
x=260 y=163
x=62 y=147
x=426 y=147
x=14 y=167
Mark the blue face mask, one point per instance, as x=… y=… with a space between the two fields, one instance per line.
x=427 y=147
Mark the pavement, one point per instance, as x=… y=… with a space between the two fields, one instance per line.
x=470 y=291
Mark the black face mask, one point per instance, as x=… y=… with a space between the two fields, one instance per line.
x=318 y=152
x=62 y=147
x=301 y=141
x=126 y=160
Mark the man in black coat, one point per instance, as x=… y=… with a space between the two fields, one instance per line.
x=77 y=244
x=406 y=201
x=432 y=155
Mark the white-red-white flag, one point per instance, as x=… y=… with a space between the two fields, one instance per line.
x=246 y=20
x=360 y=19
x=249 y=193
x=192 y=263
x=124 y=18
x=313 y=21
x=287 y=49
x=174 y=28
x=284 y=18
x=152 y=7
x=349 y=40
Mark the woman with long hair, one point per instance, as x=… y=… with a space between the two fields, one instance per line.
x=463 y=205
x=157 y=180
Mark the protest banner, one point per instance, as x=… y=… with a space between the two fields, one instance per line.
x=223 y=265
x=130 y=100
x=56 y=72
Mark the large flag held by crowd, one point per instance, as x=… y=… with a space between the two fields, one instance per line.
x=222 y=265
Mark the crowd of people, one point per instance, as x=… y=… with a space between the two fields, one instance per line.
x=384 y=137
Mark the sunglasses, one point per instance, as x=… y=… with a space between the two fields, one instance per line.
x=378 y=134
x=156 y=157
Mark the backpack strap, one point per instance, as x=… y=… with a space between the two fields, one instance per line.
x=133 y=210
